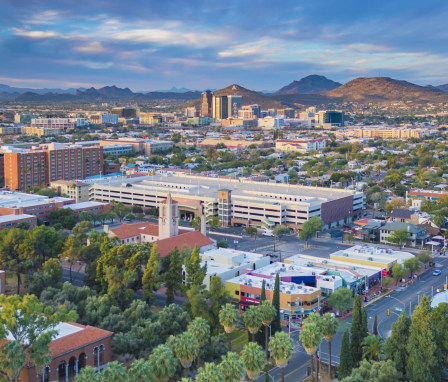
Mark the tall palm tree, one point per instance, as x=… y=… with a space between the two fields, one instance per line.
x=228 y=318
x=267 y=315
x=311 y=336
x=115 y=372
x=252 y=356
x=315 y=319
x=140 y=371
x=201 y=330
x=281 y=348
x=186 y=348
x=253 y=319
x=231 y=367
x=209 y=373
x=329 y=327
x=372 y=348
x=163 y=363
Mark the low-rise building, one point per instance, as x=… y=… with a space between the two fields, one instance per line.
x=301 y=146
x=89 y=206
x=140 y=145
x=12 y=221
x=74 y=189
x=417 y=236
x=117 y=150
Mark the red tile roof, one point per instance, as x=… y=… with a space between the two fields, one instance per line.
x=84 y=337
x=189 y=239
x=129 y=230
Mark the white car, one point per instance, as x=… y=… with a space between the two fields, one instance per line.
x=268 y=233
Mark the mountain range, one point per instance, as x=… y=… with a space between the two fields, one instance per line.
x=309 y=85
x=310 y=90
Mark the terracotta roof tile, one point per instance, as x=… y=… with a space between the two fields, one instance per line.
x=190 y=239
x=129 y=230
x=76 y=340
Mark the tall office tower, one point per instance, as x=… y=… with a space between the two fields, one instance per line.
x=220 y=107
x=206 y=104
x=234 y=104
x=125 y=112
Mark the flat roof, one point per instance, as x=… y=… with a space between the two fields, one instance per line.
x=195 y=185
x=12 y=217
x=288 y=270
x=285 y=287
x=12 y=199
x=365 y=250
x=77 y=206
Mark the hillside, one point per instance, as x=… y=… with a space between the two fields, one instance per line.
x=309 y=85
x=250 y=97
x=384 y=90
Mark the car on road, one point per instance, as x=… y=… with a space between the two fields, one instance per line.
x=268 y=232
x=437 y=272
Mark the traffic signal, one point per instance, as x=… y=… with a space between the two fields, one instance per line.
x=388 y=311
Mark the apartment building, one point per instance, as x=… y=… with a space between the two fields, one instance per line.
x=140 y=145
x=392 y=133
x=25 y=168
x=73 y=189
x=54 y=123
x=236 y=201
x=103 y=119
x=42 y=131
x=301 y=146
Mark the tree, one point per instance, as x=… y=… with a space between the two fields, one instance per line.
x=311 y=336
x=252 y=231
x=261 y=334
x=372 y=348
x=275 y=325
x=201 y=331
x=88 y=374
x=115 y=372
x=267 y=315
x=173 y=278
x=120 y=210
x=281 y=230
x=151 y=280
x=196 y=223
x=317 y=224
x=140 y=371
x=252 y=356
x=12 y=257
x=440 y=319
x=399 y=237
x=253 y=319
x=364 y=328
x=383 y=371
x=41 y=243
x=209 y=373
x=375 y=325
x=345 y=358
x=422 y=362
x=281 y=350
x=163 y=363
x=186 y=348
x=231 y=367
x=213 y=222
x=29 y=325
x=80 y=230
x=217 y=296
x=228 y=318
x=393 y=204
x=71 y=252
x=356 y=332
x=341 y=300
x=50 y=275
x=397 y=272
x=306 y=233
x=195 y=272
x=412 y=265
x=329 y=326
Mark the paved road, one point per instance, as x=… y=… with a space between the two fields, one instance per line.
x=403 y=298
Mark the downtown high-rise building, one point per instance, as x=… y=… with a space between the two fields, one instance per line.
x=206 y=104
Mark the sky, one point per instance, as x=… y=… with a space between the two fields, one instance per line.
x=259 y=44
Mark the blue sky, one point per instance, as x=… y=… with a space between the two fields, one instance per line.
x=259 y=44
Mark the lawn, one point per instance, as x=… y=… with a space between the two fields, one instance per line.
x=239 y=339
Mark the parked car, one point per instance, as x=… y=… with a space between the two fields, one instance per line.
x=437 y=272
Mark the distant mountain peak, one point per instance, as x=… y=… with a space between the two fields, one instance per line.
x=313 y=83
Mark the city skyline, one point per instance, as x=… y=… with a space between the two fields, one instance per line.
x=149 y=46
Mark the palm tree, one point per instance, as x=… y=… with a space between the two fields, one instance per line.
x=267 y=315
x=231 y=367
x=329 y=328
x=201 y=330
x=228 y=318
x=186 y=348
x=140 y=371
x=372 y=348
x=88 y=374
x=163 y=363
x=315 y=319
x=252 y=356
x=209 y=373
x=281 y=348
x=310 y=336
x=115 y=372
x=253 y=319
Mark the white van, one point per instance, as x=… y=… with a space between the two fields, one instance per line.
x=268 y=232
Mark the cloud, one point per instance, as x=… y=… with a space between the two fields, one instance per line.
x=92 y=47
x=36 y=34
